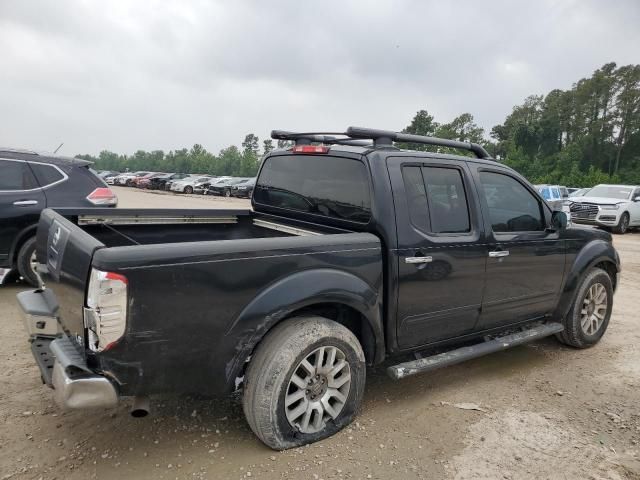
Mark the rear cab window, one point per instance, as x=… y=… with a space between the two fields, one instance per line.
x=322 y=185
x=437 y=200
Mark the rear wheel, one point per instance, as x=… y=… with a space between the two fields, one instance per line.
x=623 y=224
x=588 y=319
x=304 y=383
x=227 y=193
x=26 y=262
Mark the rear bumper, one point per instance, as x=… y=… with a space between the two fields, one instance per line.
x=75 y=386
x=62 y=365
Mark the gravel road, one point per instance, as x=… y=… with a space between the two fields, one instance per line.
x=537 y=411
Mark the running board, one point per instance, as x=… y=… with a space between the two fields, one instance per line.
x=459 y=355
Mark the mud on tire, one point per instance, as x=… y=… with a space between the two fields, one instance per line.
x=276 y=369
x=595 y=285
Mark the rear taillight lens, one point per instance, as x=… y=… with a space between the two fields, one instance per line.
x=106 y=313
x=103 y=196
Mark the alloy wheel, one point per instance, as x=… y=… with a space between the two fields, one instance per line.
x=594 y=309
x=318 y=389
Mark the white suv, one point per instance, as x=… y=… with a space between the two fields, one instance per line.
x=613 y=206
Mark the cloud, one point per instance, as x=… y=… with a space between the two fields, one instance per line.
x=123 y=75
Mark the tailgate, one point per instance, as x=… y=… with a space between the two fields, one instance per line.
x=64 y=252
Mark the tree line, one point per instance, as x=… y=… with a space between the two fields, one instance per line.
x=582 y=136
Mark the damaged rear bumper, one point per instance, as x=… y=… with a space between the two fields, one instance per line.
x=62 y=365
x=75 y=386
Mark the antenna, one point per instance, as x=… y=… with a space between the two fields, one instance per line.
x=59 y=147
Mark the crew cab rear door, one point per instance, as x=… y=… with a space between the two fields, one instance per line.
x=441 y=253
x=526 y=261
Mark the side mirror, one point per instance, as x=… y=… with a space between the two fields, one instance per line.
x=637 y=199
x=558 y=220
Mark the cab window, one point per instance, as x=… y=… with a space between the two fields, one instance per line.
x=437 y=199
x=512 y=207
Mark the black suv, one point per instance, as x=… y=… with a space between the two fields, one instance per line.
x=30 y=182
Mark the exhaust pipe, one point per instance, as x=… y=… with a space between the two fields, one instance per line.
x=140 y=407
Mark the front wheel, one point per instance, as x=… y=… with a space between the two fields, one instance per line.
x=188 y=189
x=304 y=383
x=589 y=316
x=623 y=224
x=227 y=193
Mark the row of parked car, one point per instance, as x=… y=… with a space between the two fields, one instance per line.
x=614 y=207
x=183 y=182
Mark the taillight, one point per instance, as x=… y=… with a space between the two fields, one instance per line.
x=103 y=196
x=310 y=149
x=106 y=314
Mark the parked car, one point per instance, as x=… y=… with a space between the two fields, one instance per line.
x=578 y=192
x=556 y=196
x=145 y=181
x=126 y=179
x=136 y=180
x=351 y=255
x=110 y=180
x=188 y=184
x=30 y=182
x=107 y=174
x=159 y=182
x=224 y=187
x=616 y=207
x=243 y=189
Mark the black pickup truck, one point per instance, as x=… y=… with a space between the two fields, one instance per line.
x=355 y=252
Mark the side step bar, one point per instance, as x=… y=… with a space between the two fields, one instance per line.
x=459 y=355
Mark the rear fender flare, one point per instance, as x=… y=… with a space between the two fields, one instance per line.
x=593 y=253
x=277 y=301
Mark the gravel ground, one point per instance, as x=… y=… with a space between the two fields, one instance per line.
x=536 y=411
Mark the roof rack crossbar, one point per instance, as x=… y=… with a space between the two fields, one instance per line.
x=384 y=137
x=326 y=138
x=358 y=136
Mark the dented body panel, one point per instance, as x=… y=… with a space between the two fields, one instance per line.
x=197 y=309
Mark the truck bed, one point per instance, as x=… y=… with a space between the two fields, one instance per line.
x=204 y=279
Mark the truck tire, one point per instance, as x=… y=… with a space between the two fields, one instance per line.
x=589 y=316
x=25 y=262
x=304 y=382
x=623 y=224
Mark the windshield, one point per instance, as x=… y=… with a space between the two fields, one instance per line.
x=610 y=191
x=321 y=185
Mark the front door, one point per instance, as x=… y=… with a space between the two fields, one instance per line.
x=441 y=253
x=21 y=201
x=526 y=260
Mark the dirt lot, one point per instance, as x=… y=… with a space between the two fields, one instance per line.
x=546 y=411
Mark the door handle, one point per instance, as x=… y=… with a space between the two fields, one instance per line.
x=22 y=203
x=418 y=259
x=499 y=253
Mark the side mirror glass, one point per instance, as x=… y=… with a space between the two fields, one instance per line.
x=559 y=220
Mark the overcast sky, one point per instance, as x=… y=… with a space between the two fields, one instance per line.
x=128 y=75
